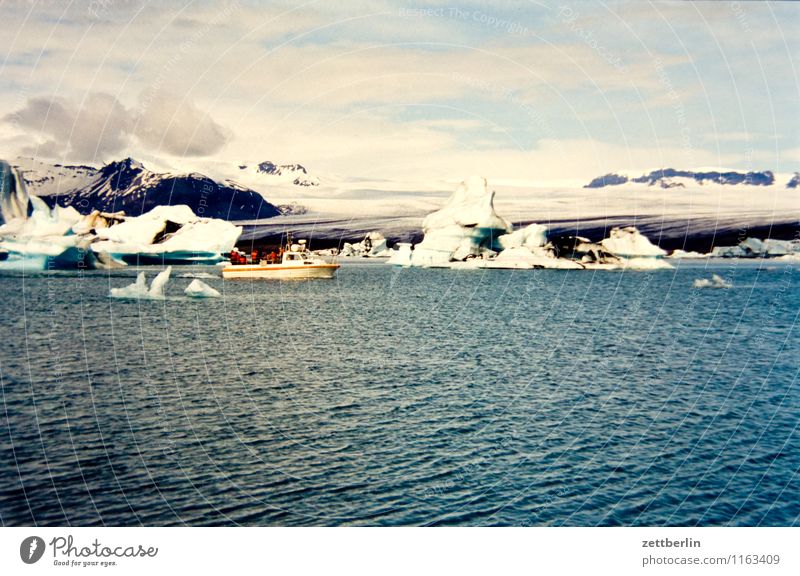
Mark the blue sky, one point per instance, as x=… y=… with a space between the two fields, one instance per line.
x=516 y=90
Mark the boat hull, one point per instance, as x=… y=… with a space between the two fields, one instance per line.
x=280 y=272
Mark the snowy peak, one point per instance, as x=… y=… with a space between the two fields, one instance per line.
x=282 y=173
x=671 y=178
x=126 y=185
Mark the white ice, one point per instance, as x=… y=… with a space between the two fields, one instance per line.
x=716 y=281
x=629 y=242
x=372 y=246
x=401 y=255
x=205 y=238
x=467 y=225
x=199 y=289
x=140 y=290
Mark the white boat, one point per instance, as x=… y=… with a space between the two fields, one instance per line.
x=297 y=262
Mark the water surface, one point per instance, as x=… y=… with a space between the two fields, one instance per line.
x=404 y=396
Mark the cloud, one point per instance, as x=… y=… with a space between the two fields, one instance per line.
x=100 y=126
x=168 y=124
x=94 y=128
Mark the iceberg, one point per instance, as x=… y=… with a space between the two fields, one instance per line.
x=468 y=234
x=466 y=226
x=755 y=248
x=716 y=281
x=679 y=254
x=532 y=236
x=645 y=263
x=199 y=289
x=169 y=234
x=37 y=237
x=629 y=242
x=140 y=290
x=523 y=258
x=34 y=237
x=372 y=246
x=402 y=255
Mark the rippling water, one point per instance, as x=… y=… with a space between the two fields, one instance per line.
x=404 y=396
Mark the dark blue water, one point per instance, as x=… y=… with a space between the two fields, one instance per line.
x=394 y=397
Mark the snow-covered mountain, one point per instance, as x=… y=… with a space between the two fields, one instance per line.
x=128 y=186
x=271 y=173
x=671 y=178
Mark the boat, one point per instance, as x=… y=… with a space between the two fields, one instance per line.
x=297 y=262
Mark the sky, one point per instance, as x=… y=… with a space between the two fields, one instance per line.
x=523 y=91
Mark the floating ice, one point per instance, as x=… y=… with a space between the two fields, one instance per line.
x=139 y=288
x=630 y=242
x=532 y=236
x=372 y=246
x=402 y=255
x=43 y=240
x=523 y=258
x=199 y=289
x=169 y=233
x=683 y=255
x=645 y=263
x=716 y=281
x=198 y=275
x=466 y=226
x=755 y=248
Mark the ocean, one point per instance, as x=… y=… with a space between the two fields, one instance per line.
x=397 y=396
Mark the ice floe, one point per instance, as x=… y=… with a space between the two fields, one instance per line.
x=199 y=289
x=716 y=281
x=140 y=290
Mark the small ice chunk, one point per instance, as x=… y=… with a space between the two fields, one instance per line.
x=199 y=289
x=136 y=290
x=157 y=287
x=716 y=281
x=139 y=288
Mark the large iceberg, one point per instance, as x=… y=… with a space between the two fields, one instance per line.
x=169 y=234
x=37 y=237
x=33 y=236
x=466 y=226
x=468 y=234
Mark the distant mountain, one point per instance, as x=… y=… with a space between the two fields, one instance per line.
x=671 y=178
x=281 y=173
x=128 y=186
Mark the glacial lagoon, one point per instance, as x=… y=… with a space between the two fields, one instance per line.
x=397 y=396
